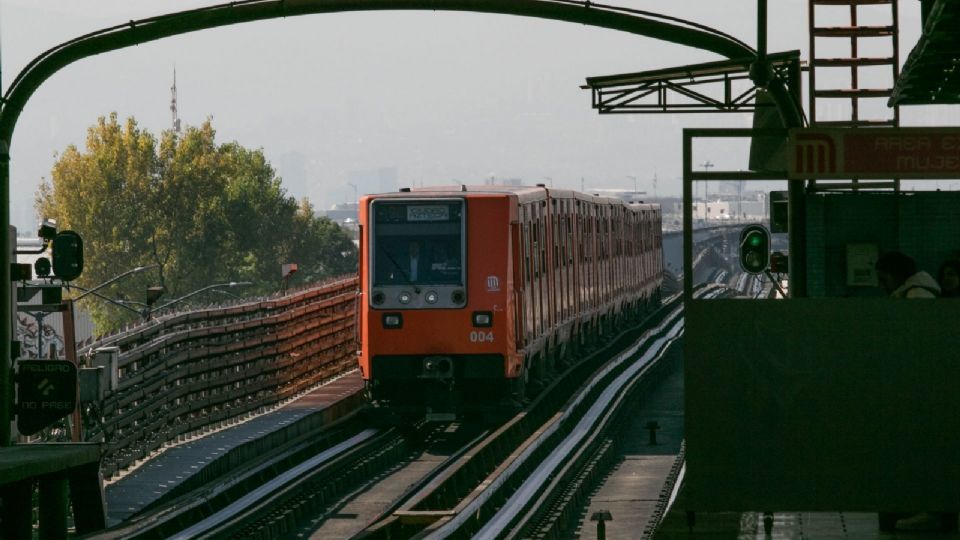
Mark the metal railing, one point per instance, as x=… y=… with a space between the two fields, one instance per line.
x=191 y=372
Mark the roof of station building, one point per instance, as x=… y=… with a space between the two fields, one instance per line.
x=931 y=74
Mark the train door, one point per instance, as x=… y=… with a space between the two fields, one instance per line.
x=519 y=302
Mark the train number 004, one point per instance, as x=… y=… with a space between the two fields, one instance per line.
x=481 y=337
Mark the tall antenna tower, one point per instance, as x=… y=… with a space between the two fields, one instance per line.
x=173 y=103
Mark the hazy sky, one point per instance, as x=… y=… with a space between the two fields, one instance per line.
x=440 y=96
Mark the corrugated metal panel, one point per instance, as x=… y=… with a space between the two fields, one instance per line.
x=931 y=74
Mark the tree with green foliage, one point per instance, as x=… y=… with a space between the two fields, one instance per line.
x=204 y=212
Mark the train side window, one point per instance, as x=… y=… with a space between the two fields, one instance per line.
x=526 y=249
x=542 y=224
x=535 y=245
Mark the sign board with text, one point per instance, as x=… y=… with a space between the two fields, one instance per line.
x=46 y=392
x=874 y=153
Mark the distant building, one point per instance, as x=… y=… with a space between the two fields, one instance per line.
x=292 y=168
x=342 y=212
x=493 y=181
x=382 y=180
x=719 y=209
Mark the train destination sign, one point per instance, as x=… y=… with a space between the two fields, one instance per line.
x=874 y=153
x=433 y=212
x=46 y=392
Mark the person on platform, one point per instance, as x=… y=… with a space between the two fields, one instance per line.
x=899 y=277
x=949 y=278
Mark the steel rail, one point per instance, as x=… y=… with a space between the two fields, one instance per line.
x=513 y=515
x=420 y=485
x=220 y=521
x=548 y=481
x=453 y=491
x=474 y=511
x=263 y=507
x=168 y=515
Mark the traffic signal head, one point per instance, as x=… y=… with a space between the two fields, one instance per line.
x=754 y=249
x=67 y=255
x=778 y=263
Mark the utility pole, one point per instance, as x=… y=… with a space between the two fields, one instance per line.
x=707 y=165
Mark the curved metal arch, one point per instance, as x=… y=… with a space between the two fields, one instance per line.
x=135 y=32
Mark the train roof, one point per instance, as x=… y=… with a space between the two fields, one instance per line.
x=523 y=193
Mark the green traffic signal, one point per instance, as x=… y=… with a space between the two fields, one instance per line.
x=754 y=249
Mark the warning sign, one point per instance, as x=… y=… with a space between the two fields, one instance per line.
x=46 y=392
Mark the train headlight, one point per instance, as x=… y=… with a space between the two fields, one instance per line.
x=457 y=296
x=392 y=320
x=378 y=298
x=482 y=319
x=431 y=297
x=405 y=297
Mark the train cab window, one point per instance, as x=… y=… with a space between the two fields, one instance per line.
x=418 y=242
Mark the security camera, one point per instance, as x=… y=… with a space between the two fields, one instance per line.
x=48 y=229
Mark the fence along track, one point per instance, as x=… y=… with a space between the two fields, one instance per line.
x=183 y=374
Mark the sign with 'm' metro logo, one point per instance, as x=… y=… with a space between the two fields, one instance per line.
x=874 y=153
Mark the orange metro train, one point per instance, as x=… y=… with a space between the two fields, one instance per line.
x=470 y=294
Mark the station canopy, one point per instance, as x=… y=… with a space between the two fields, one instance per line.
x=931 y=74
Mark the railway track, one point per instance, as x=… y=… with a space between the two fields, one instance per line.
x=505 y=482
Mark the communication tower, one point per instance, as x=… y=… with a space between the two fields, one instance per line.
x=173 y=103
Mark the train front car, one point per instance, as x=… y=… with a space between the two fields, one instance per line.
x=435 y=333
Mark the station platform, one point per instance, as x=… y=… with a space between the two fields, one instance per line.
x=632 y=489
x=787 y=525
x=157 y=476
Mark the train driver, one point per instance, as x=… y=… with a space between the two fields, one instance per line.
x=415 y=268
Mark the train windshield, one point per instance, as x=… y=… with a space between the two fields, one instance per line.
x=418 y=242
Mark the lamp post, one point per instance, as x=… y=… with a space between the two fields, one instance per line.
x=111 y=280
x=228 y=293
x=201 y=290
x=118 y=303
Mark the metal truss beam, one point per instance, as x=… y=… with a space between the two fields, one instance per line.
x=723 y=86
